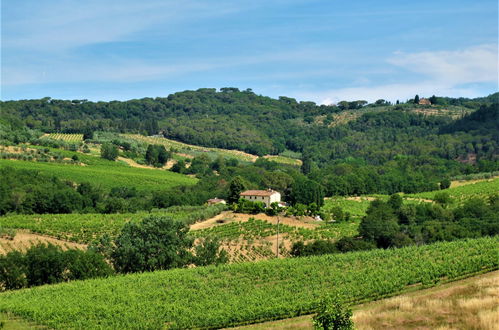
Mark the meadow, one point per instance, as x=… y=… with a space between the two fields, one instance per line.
x=229 y=295
x=106 y=174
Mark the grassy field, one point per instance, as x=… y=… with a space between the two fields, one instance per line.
x=479 y=189
x=249 y=292
x=84 y=228
x=356 y=207
x=472 y=303
x=106 y=174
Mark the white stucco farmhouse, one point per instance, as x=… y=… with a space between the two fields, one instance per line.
x=268 y=196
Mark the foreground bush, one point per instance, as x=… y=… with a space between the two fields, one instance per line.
x=333 y=315
x=48 y=264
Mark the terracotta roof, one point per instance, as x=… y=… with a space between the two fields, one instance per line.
x=258 y=193
x=216 y=200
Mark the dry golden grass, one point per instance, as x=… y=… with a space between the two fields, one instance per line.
x=467 y=304
x=24 y=240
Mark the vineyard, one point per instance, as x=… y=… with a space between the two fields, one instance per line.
x=106 y=174
x=213 y=153
x=256 y=229
x=193 y=150
x=65 y=137
x=84 y=228
x=249 y=292
x=255 y=239
x=461 y=193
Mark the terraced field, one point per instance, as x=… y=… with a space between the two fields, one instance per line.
x=236 y=294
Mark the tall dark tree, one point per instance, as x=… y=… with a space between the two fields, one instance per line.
x=306 y=191
x=416 y=99
x=236 y=187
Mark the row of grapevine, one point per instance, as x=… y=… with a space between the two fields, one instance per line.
x=65 y=137
x=256 y=229
x=84 y=228
x=235 y=294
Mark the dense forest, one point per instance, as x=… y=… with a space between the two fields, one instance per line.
x=383 y=148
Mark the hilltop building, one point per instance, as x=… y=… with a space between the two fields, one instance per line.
x=424 y=101
x=268 y=196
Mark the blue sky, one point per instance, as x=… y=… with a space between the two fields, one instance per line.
x=323 y=51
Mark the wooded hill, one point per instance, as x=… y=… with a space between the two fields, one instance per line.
x=386 y=148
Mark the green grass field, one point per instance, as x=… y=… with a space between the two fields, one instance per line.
x=228 y=295
x=461 y=193
x=106 y=174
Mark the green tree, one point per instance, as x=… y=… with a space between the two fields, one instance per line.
x=235 y=188
x=109 y=151
x=208 y=252
x=395 y=202
x=416 y=99
x=305 y=191
x=380 y=224
x=157 y=242
x=333 y=314
x=445 y=183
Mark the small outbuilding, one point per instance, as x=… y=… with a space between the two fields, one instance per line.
x=268 y=196
x=214 y=201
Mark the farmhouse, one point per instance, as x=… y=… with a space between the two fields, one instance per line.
x=268 y=196
x=424 y=101
x=215 y=200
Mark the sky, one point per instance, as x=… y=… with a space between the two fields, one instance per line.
x=321 y=51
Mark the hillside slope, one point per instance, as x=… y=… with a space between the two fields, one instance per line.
x=245 y=293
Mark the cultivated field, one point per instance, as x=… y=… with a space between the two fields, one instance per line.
x=472 y=303
x=478 y=189
x=23 y=240
x=218 y=296
x=193 y=150
x=65 y=137
x=84 y=228
x=106 y=174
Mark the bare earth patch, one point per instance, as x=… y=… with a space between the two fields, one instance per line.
x=24 y=240
x=258 y=248
x=471 y=303
x=229 y=216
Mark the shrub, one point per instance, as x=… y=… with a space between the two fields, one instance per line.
x=333 y=314
x=47 y=264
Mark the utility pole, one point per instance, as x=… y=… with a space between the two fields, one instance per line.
x=277 y=252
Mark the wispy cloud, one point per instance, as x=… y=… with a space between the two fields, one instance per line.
x=440 y=72
x=471 y=65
